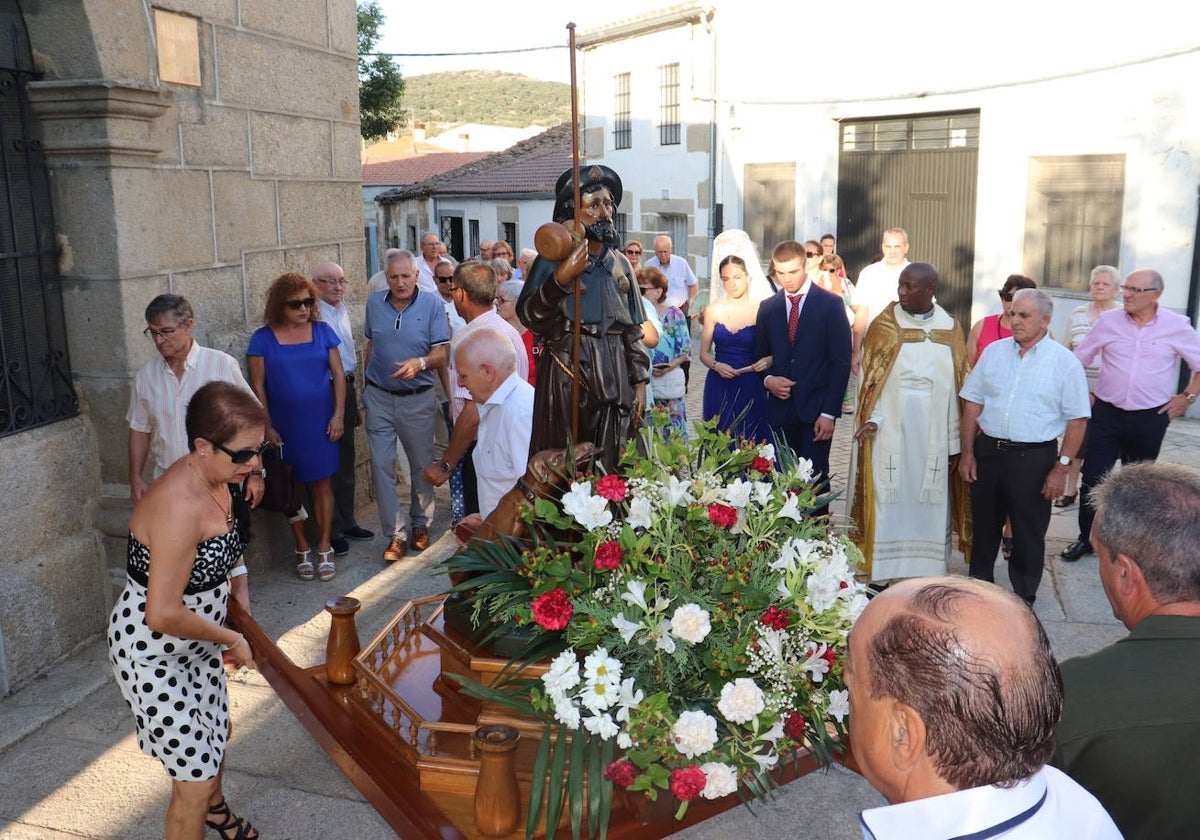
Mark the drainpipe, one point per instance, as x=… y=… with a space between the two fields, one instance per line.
x=713 y=221
x=1193 y=303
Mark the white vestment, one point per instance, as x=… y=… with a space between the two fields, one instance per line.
x=917 y=418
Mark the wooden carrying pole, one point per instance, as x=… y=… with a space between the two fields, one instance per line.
x=578 y=280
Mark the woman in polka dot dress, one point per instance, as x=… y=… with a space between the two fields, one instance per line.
x=167 y=630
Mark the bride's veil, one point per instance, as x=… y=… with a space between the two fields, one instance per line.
x=737 y=242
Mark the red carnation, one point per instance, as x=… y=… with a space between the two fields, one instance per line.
x=552 y=610
x=609 y=555
x=722 y=515
x=776 y=618
x=687 y=783
x=621 y=773
x=793 y=726
x=829 y=654
x=612 y=487
x=763 y=465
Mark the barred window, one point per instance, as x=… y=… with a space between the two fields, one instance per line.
x=668 y=112
x=622 y=116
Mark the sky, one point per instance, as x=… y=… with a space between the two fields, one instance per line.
x=473 y=25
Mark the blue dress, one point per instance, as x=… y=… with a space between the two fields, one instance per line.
x=727 y=398
x=300 y=398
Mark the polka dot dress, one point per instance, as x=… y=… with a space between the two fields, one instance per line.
x=175 y=687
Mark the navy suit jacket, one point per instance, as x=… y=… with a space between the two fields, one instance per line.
x=818 y=361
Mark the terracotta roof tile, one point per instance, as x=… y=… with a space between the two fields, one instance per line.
x=411 y=170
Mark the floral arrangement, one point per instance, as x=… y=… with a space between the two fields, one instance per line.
x=694 y=616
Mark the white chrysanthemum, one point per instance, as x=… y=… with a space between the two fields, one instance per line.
x=598 y=666
x=719 y=780
x=737 y=494
x=601 y=725
x=623 y=740
x=639 y=513
x=839 y=704
x=588 y=510
x=628 y=629
x=563 y=674
x=741 y=701
x=567 y=714
x=690 y=623
x=695 y=733
x=598 y=696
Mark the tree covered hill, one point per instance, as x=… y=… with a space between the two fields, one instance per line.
x=490 y=97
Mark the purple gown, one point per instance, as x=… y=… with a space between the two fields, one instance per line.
x=727 y=398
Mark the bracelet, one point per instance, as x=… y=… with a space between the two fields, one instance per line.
x=234 y=644
x=422 y=363
x=238 y=570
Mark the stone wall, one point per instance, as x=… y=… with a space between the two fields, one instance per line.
x=209 y=191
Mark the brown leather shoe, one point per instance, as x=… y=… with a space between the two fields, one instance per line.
x=420 y=538
x=396 y=549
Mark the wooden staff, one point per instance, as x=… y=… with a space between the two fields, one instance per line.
x=575 y=341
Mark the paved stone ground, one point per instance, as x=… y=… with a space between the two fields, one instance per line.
x=70 y=768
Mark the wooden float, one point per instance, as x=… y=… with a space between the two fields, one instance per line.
x=403 y=733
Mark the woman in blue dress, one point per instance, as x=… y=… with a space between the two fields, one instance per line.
x=733 y=389
x=296 y=372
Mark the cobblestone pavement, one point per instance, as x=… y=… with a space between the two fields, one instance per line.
x=70 y=768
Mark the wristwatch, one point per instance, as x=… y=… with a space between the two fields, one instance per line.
x=445 y=465
x=1064 y=460
x=1191 y=398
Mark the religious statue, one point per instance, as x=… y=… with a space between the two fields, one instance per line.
x=612 y=365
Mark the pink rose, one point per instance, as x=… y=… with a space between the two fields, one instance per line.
x=612 y=487
x=552 y=610
x=621 y=773
x=609 y=555
x=687 y=783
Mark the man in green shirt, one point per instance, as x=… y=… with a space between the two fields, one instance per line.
x=1130 y=729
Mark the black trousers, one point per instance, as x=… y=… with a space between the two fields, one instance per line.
x=1116 y=433
x=1008 y=485
x=342 y=482
x=799 y=436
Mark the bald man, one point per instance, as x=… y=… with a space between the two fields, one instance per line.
x=954 y=700
x=378 y=281
x=331 y=283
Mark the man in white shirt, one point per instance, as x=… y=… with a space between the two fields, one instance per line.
x=163 y=387
x=954 y=701
x=487 y=367
x=427 y=261
x=378 y=281
x=876 y=285
x=681 y=280
x=331 y=283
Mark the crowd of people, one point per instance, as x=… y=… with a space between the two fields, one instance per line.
x=469 y=367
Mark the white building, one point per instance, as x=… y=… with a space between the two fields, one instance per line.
x=1028 y=139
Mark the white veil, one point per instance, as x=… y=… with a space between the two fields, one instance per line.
x=737 y=243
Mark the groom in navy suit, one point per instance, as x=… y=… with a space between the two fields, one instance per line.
x=804 y=330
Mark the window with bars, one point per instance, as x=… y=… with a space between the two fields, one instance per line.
x=668 y=111
x=927 y=131
x=621 y=223
x=622 y=115
x=1073 y=217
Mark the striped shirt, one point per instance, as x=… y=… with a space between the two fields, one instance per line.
x=159 y=399
x=1027 y=398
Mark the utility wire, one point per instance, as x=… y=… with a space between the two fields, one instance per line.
x=457 y=54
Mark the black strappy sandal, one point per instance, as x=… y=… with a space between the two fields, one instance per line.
x=228 y=822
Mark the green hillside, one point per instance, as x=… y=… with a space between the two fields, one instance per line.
x=490 y=97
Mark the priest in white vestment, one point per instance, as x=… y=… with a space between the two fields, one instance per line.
x=907 y=494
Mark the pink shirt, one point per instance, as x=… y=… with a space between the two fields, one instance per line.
x=1140 y=363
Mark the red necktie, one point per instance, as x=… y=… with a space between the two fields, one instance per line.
x=793 y=316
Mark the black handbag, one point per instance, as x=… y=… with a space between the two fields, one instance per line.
x=282 y=492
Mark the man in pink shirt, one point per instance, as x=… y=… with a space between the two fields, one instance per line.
x=1135 y=393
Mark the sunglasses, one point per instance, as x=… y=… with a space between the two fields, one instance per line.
x=308 y=302
x=443 y=279
x=241 y=456
x=812 y=253
x=634 y=251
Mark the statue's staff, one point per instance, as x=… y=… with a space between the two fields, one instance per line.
x=578 y=281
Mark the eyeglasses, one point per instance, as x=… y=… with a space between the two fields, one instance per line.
x=441 y=279
x=241 y=456
x=308 y=302
x=1136 y=290
x=335 y=282
x=153 y=334
x=633 y=252
x=812 y=253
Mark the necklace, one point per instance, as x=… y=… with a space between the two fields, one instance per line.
x=228 y=513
